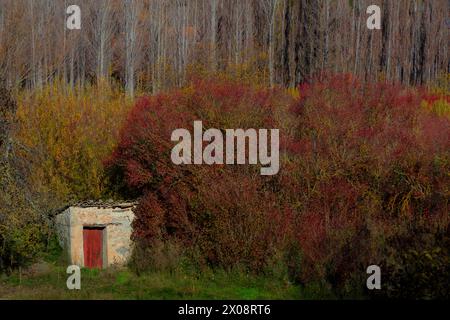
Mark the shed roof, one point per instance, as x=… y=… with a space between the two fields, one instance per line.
x=105 y=204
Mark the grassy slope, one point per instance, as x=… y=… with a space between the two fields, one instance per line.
x=123 y=284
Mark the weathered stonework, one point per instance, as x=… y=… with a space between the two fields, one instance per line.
x=116 y=224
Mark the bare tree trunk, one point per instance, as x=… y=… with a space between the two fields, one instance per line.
x=104 y=40
x=131 y=14
x=273 y=11
x=214 y=34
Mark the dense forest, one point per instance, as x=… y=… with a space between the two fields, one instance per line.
x=154 y=45
x=363 y=116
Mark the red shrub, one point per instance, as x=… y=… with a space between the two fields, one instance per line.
x=223 y=210
x=362 y=164
x=362 y=154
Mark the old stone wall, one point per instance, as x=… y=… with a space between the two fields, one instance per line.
x=62 y=228
x=116 y=235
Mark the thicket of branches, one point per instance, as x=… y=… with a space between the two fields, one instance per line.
x=155 y=44
x=363 y=181
x=52 y=144
x=364 y=162
x=23 y=226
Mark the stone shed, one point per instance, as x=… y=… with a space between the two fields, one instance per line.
x=96 y=234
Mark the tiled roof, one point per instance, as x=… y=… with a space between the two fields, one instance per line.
x=105 y=204
x=122 y=204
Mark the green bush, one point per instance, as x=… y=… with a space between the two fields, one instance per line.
x=22 y=229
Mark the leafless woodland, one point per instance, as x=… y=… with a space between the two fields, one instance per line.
x=153 y=44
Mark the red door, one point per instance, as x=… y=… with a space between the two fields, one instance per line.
x=93 y=244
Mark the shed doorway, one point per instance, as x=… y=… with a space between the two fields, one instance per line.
x=93 y=247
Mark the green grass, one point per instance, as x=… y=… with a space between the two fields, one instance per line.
x=124 y=284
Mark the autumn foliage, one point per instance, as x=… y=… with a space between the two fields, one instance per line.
x=372 y=165
x=222 y=211
x=52 y=144
x=65 y=134
x=364 y=177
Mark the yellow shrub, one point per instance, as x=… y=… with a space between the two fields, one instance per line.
x=68 y=132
